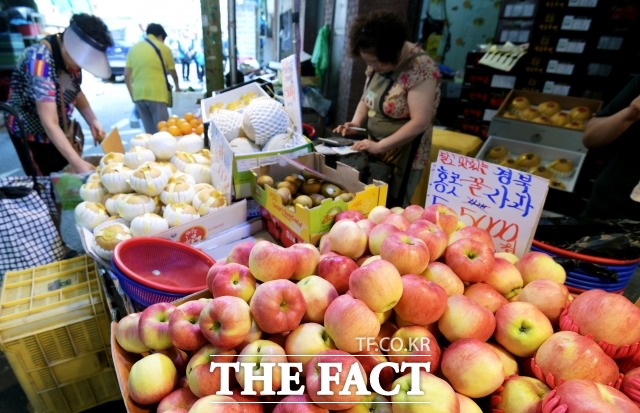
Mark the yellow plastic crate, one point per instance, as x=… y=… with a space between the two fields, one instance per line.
x=55 y=332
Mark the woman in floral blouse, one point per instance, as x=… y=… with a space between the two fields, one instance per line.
x=398 y=106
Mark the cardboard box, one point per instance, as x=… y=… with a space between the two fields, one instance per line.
x=308 y=225
x=460 y=143
x=547 y=154
x=541 y=134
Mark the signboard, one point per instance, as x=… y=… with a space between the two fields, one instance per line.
x=291 y=91
x=504 y=201
x=222 y=167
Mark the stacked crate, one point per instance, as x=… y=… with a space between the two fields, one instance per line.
x=54 y=331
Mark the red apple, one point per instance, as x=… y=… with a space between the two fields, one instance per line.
x=184 y=327
x=441 y=274
x=216 y=404
x=337 y=269
x=473 y=232
x=410 y=255
x=225 y=321
x=127 y=334
x=413 y=212
x=378 y=234
x=437 y=395
x=278 y=306
x=521 y=328
x=248 y=404
x=201 y=380
x=259 y=355
x=534 y=265
x=152 y=378
x=350 y=214
x=398 y=221
x=366 y=225
x=348 y=239
x=443 y=216
x=509 y=256
x=298 y=404
x=486 y=296
x=585 y=395
x=369 y=359
x=305 y=341
x=269 y=261
x=630 y=385
x=505 y=278
x=180 y=398
x=318 y=293
x=432 y=235
x=378 y=284
x=307 y=258
x=373 y=403
x=378 y=213
x=240 y=252
x=350 y=323
x=549 y=296
x=472 y=368
x=323 y=244
x=213 y=271
x=235 y=280
x=153 y=326
x=319 y=367
x=180 y=358
x=471 y=260
x=464 y=318
x=413 y=344
x=254 y=334
x=509 y=362
x=520 y=394
x=422 y=302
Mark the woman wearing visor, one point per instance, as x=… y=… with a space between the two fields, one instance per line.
x=45 y=89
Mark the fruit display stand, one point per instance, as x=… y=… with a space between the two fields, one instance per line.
x=54 y=331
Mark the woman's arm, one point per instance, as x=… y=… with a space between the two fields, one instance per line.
x=48 y=114
x=601 y=131
x=97 y=131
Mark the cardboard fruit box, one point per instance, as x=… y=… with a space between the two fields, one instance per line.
x=309 y=224
x=538 y=133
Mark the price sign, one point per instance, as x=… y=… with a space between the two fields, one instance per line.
x=291 y=91
x=505 y=202
x=221 y=169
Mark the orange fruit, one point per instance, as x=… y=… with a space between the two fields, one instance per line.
x=188 y=116
x=162 y=124
x=194 y=123
x=185 y=128
x=199 y=129
x=163 y=129
x=176 y=117
x=174 y=130
x=172 y=122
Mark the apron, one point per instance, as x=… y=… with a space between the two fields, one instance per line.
x=392 y=166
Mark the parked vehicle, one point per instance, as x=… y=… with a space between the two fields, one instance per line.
x=125 y=33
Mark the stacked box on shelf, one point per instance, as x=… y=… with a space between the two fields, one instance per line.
x=54 y=331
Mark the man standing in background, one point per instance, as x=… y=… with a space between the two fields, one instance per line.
x=145 y=74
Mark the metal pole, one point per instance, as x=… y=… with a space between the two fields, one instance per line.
x=212 y=38
x=233 y=58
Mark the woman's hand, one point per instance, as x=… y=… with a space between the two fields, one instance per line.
x=83 y=167
x=97 y=131
x=345 y=129
x=367 y=145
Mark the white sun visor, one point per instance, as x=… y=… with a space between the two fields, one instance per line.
x=86 y=52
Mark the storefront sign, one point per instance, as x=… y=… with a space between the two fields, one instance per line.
x=505 y=202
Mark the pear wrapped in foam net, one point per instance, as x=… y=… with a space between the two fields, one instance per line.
x=92 y=191
x=264 y=118
x=177 y=191
x=208 y=200
x=148 y=180
x=163 y=144
x=130 y=206
x=115 y=177
x=148 y=224
x=138 y=155
x=140 y=139
x=108 y=236
x=179 y=213
x=89 y=214
x=191 y=143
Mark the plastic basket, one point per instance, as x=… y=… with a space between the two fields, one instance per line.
x=140 y=294
x=162 y=265
x=579 y=281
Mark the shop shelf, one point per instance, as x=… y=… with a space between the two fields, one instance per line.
x=54 y=331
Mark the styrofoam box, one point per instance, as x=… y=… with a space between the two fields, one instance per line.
x=233 y=96
x=547 y=154
x=186 y=102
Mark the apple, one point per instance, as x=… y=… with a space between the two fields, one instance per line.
x=184 y=327
x=153 y=326
x=337 y=270
x=373 y=403
x=348 y=239
x=301 y=403
x=578 y=395
x=630 y=385
x=318 y=293
x=180 y=358
x=534 y=265
x=549 y=296
x=567 y=355
x=235 y=280
x=486 y=296
x=441 y=274
x=349 y=321
x=180 y=398
x=397 y=210
x=378 y=213
x=464 y=318
x=335 y=401
x=414 y=344
x=505 y=278
x=366 y=225
x=152 y=378
x=248 y=404
x=201 y=380
x=521 y=328
x=225 y=321
x=471 y=260
x=378 y=234
x=467 y=405
x=323 y=244
x=473 y=232
x=257 y=354
x=307 y=258
x=387 y=329
x=422 y=302
x=350 y=214
x=437 y=395
x=611 y=319
x=432 y=235
x=509 y=256
x=305 y=341
x=240 y=252
x=216 y=404
x=213 y=272
x=409 y=254
x=413 y=212
x=254 y=334
x=372 y=356
x=278 y=306
x=443 y=216
x=127 y=334
x=509 y=362
x=520 y=394
x=269 y=261
x=397 y=220
x=472 y=367
x=378 y=284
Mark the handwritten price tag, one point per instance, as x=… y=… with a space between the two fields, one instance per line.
x=505 y=202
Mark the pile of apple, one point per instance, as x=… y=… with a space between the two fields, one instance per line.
x=501 y=333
